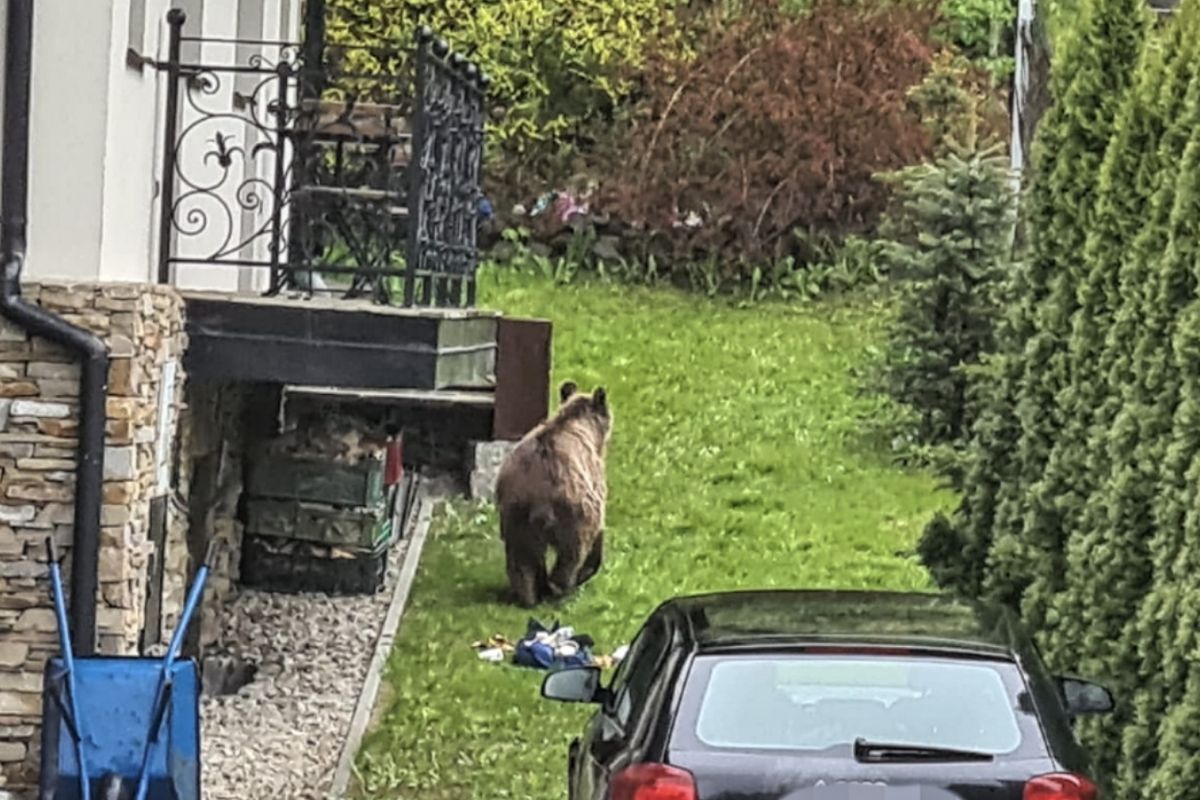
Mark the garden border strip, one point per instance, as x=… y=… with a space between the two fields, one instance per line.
x=383 y=648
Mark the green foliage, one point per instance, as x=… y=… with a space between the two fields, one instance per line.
x=700 y=500
x=956 y=106
x=950 y=241
x=831 y=267
x=1169 y=433
x=1118 y=460
x=1088 y=88
x=558 y=68
x=981 y=30
x=724 y=160
x=1091 y=522
x=1102 y=464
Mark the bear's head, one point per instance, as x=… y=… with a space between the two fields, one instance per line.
x=592 y=410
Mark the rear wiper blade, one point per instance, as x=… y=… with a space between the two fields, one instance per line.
x=880 y=752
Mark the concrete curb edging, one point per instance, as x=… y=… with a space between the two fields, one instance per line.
x=383 y=648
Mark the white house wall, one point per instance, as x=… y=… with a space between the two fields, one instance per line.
x=96 y=138
x=67 y=139
x=130 y=175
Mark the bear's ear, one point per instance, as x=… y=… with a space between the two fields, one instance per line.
x=600 y=399
x=566 y=390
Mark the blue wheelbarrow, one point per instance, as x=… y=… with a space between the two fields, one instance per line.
x=121 y=728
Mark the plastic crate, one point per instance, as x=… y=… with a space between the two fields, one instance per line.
x=296 y=519
x=312 y=480
x=291 y=566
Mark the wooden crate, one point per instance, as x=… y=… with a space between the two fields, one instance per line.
x=297 y=519
x=317 y=481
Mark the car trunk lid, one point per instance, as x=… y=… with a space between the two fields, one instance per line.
x=744 y=776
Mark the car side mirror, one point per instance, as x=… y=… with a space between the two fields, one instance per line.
x=576 y=685
x=1085 y=698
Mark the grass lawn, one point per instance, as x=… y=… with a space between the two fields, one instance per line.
x=736 y=462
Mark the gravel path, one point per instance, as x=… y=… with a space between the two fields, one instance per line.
x=280 y=736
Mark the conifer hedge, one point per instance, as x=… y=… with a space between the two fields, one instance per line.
x=1081 y=501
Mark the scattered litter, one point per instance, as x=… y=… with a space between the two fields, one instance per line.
x=553 y=648
x=542 y=204
x=494 y=648
x=550 y=648
x=604 y=662
x=564 y=205
x=692 y=220
x=567 y=206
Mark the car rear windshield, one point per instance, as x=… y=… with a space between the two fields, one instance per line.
x=819 y=702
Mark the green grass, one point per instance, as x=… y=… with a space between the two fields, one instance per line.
x=737 y=461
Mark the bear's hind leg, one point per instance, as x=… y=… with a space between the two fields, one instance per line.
x=594 y=560
x=526 y=573
x=565 y=575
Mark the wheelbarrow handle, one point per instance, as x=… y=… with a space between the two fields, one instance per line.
x=75 y=722
x=210 y=552
x=164 y=690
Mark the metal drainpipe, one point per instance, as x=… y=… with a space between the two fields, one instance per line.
x=90 y=350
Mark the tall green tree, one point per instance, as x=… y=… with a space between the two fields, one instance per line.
x=1165 y=395
x=1170 y=766
x=1029 y=557
x=1106 y=513
x=949 y=227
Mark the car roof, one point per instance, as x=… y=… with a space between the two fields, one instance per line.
x=782 y=618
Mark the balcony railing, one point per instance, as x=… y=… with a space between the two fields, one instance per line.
x=356 y=176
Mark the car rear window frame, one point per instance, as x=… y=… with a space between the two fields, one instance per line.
x=684 y=735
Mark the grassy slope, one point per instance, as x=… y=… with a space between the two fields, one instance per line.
x=736 y=463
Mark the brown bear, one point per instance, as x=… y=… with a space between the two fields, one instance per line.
x=551 y=493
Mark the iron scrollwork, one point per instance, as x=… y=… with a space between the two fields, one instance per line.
x=328 y=176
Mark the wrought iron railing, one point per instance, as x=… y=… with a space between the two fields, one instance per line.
x=351 y=171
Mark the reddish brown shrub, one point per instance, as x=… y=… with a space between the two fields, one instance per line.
x=777 y=125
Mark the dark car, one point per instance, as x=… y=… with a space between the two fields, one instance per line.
x=824 y=695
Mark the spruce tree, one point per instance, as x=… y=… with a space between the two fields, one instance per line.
x=1028 y=558
x=951 y=224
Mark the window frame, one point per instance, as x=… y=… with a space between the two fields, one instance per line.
x=650 y=646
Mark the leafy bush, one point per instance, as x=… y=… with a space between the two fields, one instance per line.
x=558 y=67
x=982 y=31
x=833 y=267
x=733 y=151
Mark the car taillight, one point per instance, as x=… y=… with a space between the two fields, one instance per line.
x=653 y=782
x=1060 y=786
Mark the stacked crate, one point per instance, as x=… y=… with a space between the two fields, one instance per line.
x=322 y=525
